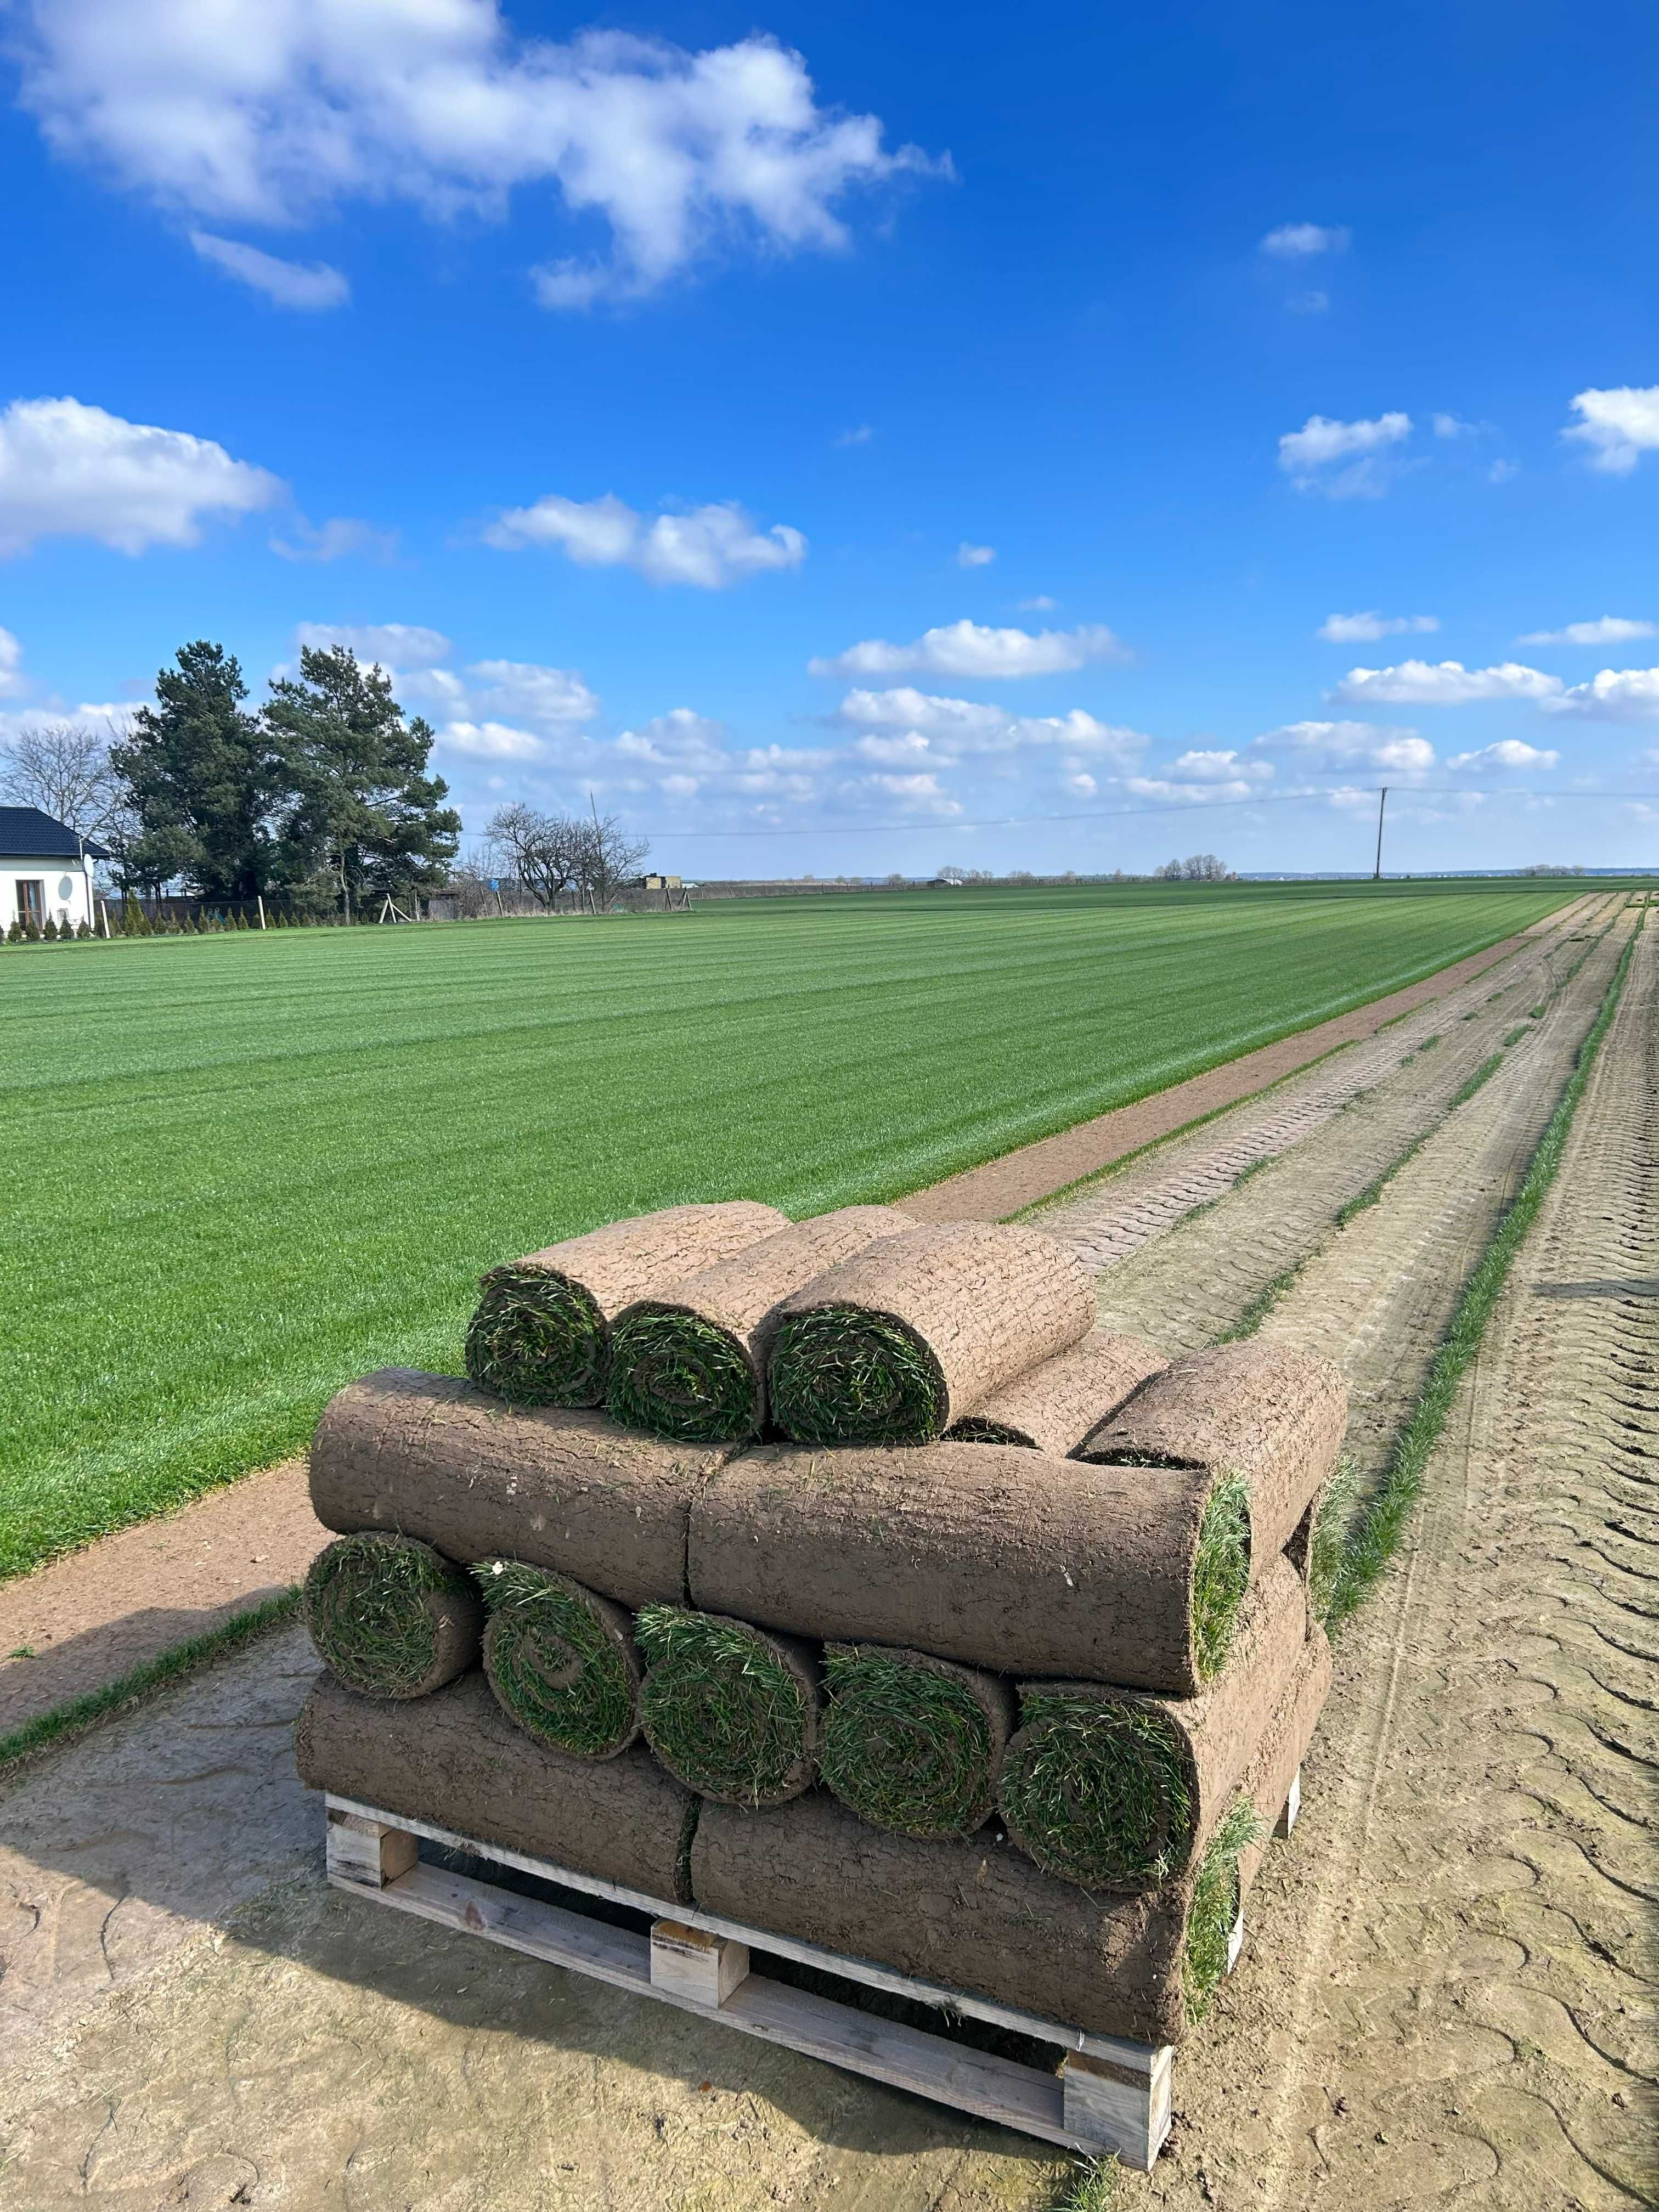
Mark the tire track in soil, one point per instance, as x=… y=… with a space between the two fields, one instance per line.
x=1451 y=1979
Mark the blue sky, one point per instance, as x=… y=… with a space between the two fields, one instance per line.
x=852 y=427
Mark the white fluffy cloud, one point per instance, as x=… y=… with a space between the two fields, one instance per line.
x=495 y=741
x=1301 y=242
x=974 y=556
x=1444 y=683
x=1507 y=753
x=904 y=725
x=555 y=697
x=1348 y=744
x=1618 y=425
x=11 y=664
x=711 y=546
x=973 y=650
x=394 y=645
x=1606 y=629
x=309 y=287
x=1312 y=456
x=70 y=470
x=342 y=537
x=276 y=112
x=1365 y=628
x=1614 y=695
x=1219 y=766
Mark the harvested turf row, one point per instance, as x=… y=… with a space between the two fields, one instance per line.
x=541 y=1334
x=734 y=1713
x=910 y=1742
x=689 y=1361
x=894 y=1344
x=561 y=1661
x=391 y=1617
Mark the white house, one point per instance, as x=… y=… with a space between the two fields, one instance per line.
x=46 y=869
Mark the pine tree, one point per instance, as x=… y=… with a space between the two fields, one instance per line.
x=366 y=814
x=203 y=777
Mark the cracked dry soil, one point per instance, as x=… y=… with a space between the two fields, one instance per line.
x=1448 y=1989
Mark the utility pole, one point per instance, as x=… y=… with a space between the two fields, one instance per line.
x=1382 y=801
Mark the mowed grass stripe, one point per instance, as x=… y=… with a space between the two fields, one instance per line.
x=241 y=1170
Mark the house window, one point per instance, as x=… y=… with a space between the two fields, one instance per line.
x=30 y=900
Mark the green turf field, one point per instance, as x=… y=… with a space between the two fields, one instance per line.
x=241 y=1169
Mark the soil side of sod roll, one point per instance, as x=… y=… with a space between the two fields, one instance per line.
x=737 y=1714
x=560 y=1660
x=1055 y=1406
x=428 y=1456
x=1272 y=1415
x=541 y=1332
x=976 y=1914
x=911 y=1742
x=993 y=1555
x=1119 y=1790
x=689 y=1360
x=391 y=1616
x=894 y=1345
x=455 y=1759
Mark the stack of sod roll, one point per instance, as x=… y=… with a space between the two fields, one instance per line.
x=842 y=1577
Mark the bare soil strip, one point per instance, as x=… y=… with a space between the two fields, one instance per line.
x=1034 y=1172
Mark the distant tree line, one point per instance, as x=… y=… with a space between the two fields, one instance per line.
x=320 y=797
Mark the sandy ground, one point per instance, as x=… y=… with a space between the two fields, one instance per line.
x=1446 y=1994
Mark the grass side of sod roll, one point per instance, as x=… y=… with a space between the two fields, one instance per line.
x=559 y=1661
x=1213 y=1913
x=718 y=1706
x=680 y=1375
x=1221 y=1572
x=1097 y=1789
x=374 y=1605
x=193 y=1113
x=839 y=1375
x=537 y=1339
x=907 y=1746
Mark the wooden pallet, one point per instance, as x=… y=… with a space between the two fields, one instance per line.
x=1108 y=2095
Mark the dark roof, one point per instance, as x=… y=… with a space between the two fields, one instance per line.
x=27 y=834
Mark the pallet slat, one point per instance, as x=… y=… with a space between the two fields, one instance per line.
x=1112 y=2096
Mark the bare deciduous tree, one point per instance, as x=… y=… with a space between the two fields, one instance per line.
x=546 y=850
x=609 y=856
x=64 y=768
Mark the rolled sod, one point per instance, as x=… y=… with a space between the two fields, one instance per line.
x=1056 y=1406
x=430 y=1456
x=391 y=1616
x=560 y=1659
x=455 y=1760
x=734 y=1713
x=911 y=1742
x=1116 y=1791
x=689 y=1361
x=894 y=1345
x=541 y=1334
x=1272 y=1416
x=976 y=1915
x=993 y=1555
